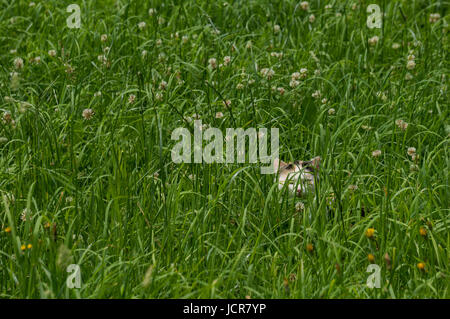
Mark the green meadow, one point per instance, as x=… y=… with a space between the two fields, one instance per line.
x=87 y=179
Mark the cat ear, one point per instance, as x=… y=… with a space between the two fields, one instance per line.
x=312 y=164
x=276 y=164
x=316 y=162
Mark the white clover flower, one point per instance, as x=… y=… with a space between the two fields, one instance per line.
x=226 y=60
x=267 y=73
x=411 y=64
x=303 y=72
x=142 y=25
x=88 y=114
x=295 y=76
x=151 y=11
x=312 y=18
x=227 y=103
x=239 y=86
x=274 y=54
x=276 y=28
x=373 y=40
x=248 y=45
x=411 y=151
x=104 y=37
x=316 y=94
x=163 y=85
x=69 y=199
x=185 y=39
x=324 y=100
x=213 y=63
x=97 y=94
x=299 y=207
x=176 y=35
x=7 y=117
x=395 y=45
x=294 y=83
x=37 y=60
x=219 y=115
x=281 y=90
x=131 y=98
x=162 y=57
x=144 y=53
x=304 y=5
x=331 y=111
x=25 y=215
x=434 y=17
x=376 y=153
x=13 y=51
x=401 y=124
x=102 y=58
x=52 y=53
x=18 y=63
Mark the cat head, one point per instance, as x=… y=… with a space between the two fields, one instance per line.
x=299 y=175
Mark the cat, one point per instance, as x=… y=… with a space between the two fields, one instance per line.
x=300 y=175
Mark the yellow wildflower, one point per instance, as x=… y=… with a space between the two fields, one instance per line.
x=370 y=232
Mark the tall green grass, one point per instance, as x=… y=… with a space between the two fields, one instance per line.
x=223 y=230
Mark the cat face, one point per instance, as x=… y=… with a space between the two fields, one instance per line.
x=299 y=175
